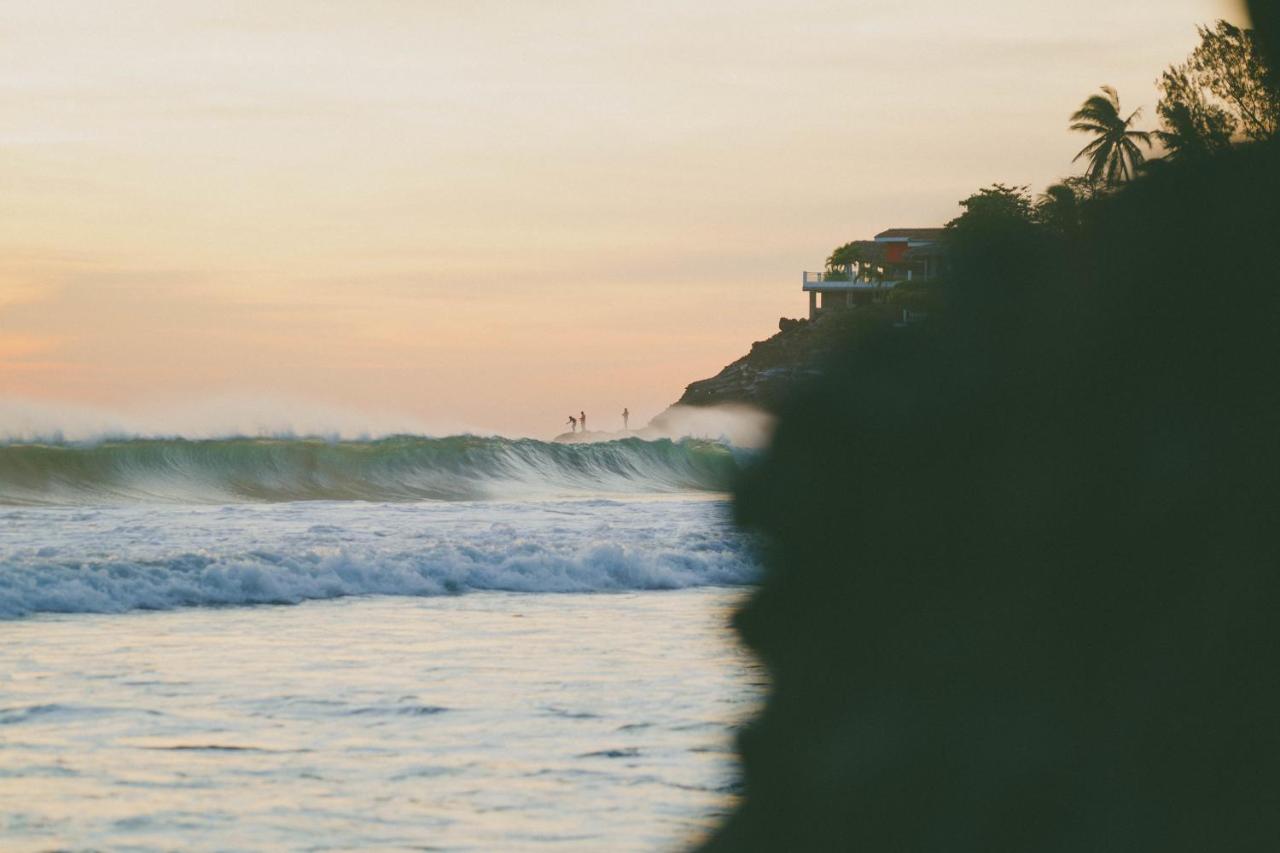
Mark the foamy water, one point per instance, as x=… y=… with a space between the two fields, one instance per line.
x=196 y=657
x=114 y=559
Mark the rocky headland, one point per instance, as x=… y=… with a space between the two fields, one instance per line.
x=773 y=368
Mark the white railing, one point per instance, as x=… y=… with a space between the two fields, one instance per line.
x=820 y=277
x=838 y=278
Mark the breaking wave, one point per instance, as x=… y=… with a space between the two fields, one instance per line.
x=191 y=580
x=397 y=468
x=115 y=559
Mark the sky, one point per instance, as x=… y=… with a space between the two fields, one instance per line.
x=447 y=215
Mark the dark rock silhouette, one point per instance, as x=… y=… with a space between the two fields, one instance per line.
x=773 y=368
x=1022 y=577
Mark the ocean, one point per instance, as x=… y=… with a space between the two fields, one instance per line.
x=404 y=643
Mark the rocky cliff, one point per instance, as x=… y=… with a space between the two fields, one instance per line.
x=766 y=375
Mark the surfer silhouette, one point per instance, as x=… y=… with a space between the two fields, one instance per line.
x=573 y=424
x=625 y=416
x=582 y=419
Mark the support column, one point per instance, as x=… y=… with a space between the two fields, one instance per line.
x=813 y=304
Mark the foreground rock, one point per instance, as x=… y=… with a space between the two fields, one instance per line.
x=1022 y=566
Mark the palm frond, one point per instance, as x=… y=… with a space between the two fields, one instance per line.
x=1090 y=149
x=1090 y=127
x=1134 y=153
x=1096 y=109
x=1114 y=153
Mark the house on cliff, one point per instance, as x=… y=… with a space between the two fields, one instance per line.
x=865 y=270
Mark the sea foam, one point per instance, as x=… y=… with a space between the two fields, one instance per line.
x=123 y=558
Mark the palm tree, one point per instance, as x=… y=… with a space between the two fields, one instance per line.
x=1114 y=155
x=842 y=261
x=845 y=255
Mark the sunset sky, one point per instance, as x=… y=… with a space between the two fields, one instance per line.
x=466 y=214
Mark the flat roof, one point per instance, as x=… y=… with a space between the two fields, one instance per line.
x=929 y=234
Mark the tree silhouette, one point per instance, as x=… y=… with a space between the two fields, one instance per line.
x=1192 y=126
x=1114 y=155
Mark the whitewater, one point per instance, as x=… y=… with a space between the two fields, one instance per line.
x=466 y=642
x=133 y=524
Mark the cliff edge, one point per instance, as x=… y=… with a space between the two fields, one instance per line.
x=766 y=376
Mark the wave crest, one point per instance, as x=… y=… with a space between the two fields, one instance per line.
x=397 y=468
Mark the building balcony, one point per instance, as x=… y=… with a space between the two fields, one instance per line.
x=837 y=282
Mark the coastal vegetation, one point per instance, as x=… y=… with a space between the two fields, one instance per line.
x=1221 y=97
x=1220 y=93
x=1006 y=235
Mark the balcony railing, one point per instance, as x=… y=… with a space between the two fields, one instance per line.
x=838 y=278
x=820 y=277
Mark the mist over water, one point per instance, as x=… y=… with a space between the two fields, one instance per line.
x=207 y=417
x=239 y=416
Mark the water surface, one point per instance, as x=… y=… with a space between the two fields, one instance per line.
x=490 y=721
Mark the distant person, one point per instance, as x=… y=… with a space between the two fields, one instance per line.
x=625 y=416
x=573 y=424
x=582 y=419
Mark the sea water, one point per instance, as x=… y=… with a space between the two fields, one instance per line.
x=512 y=646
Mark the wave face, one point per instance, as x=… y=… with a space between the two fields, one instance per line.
x=398 y=468
x=115 y=559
